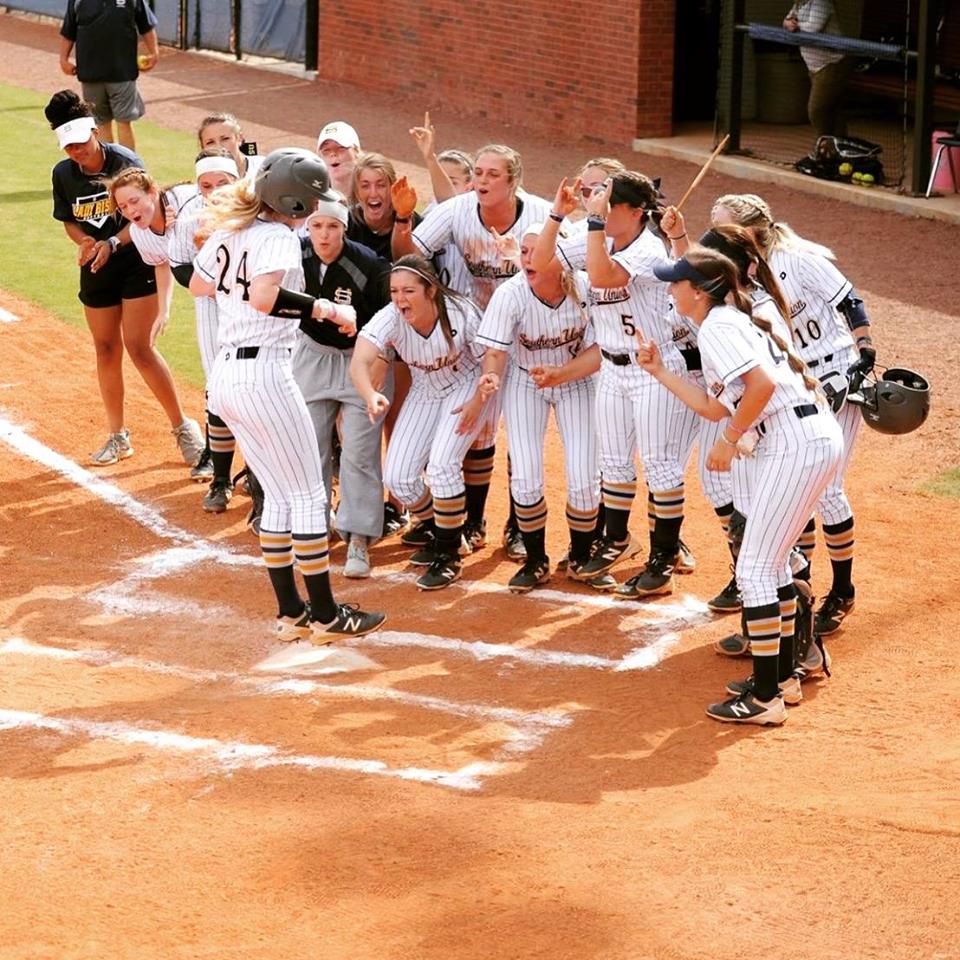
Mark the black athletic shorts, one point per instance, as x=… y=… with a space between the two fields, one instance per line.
x=124 y=277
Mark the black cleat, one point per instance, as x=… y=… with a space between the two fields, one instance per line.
x=441 y=573
x=536 y=570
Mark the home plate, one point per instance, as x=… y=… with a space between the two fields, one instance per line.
x=307 y=658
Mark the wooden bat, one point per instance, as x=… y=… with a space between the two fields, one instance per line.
x=703 y=171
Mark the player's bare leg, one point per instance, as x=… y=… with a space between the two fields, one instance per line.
x=104 y=324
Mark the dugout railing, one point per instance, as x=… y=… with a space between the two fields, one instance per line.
x=892 y=95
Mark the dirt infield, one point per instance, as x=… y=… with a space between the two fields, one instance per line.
x=492 y=776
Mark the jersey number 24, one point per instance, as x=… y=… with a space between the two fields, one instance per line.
x=239 y=279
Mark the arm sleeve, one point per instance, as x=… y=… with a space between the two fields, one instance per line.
x=819 y=274
x=498 y=327
x=436 y=230
x=814 y=16
x=731 y=351
x=380 y=331
x=69 y=27
x=638 y=260
x=146 y=19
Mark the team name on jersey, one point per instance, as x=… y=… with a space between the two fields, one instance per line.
x=489 y=271
x=797 y=308
x=570 y=335
x=96 y=208
x=609 y=295
x=343 y=295
x=716 y=389
x=447 y=360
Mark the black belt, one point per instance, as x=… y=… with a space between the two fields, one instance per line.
x=802 y=411
x=816 y=363
x=618 y=359
x=250 y=353
x=691 y=357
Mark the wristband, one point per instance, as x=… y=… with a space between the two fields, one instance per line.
x=115 y=246
x=596 y=222
x=729 y=443
x=674 y=239
x=397 y=219
x=556 y=217
x=291 y=304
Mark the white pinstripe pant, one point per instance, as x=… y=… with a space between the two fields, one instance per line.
x=526 y=411
x=833 y=506
x=632 y=405
x=425 y=441
x=260 y=402
x=717 y=486
x=795 y=460
x=205 y=309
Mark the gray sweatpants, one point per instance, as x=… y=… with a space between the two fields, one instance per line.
x=323 y=375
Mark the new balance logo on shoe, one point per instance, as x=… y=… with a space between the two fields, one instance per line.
x=352 y=624
x=740 y=709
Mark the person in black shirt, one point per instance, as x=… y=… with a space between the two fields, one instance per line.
x=118 y=291
x=343 y=271
x=372 y=217
x=105 y=35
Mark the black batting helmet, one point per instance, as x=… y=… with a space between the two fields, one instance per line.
x=290 y=180
x=898 y=402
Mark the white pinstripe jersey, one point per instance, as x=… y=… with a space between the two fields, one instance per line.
x=731 y=345
x=813 y=287
x=153 y=247
x=433 y=367
x=181 y=248
x=457 y=221
x=231 y=261
x=617 y=312
x=534 y=332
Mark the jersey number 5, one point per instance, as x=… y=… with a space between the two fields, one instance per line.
x=240 y=278
x=628 y=326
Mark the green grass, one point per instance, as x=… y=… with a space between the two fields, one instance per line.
x=37 y=261
x=946 y=485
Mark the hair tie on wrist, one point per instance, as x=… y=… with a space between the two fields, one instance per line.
x=682 y=235
x=556 y=217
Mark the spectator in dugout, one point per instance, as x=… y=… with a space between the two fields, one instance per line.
x=103 y=37
x=339 y=146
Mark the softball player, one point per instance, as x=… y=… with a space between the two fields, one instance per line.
x=479 y=224
x=252 y=265
x=223 y=131
x=339 y=147
x=632 y=406
x=539 y=319
x=831 y=332
x=760 y=384
x=433 y=329
x=117 y=289
x=214 y=168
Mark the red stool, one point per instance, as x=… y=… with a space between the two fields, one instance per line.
x=948 y=142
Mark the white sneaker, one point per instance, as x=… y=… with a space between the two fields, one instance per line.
x=190 y=441
x=116 y=448
x=357 y=566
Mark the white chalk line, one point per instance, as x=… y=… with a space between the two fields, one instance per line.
x=293 y=686
x=228 y=756
x=7 y=317
x=667 y=614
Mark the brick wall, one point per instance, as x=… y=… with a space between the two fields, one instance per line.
x=599 y=71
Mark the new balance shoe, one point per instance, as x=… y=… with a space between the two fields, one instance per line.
x=190 y=441
x=357 y=566
x=832 y=613
x=475 y=534
x=789 y=689
x=116 y=448
x=253 y=519
x=350 y=621
x=215 y=500
x=419 y=535
x=816 y=663
x=394 y=520
x=748 y=709
x=605 y=583
x=654 y=580
x=728 y=599
x=441 y=573
x=735 y=645
x=424 y=556
x=535 y=570
x=203 y=471
x=607 y=552
x=294 y=629
x=513 y=543
x=686 y=561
